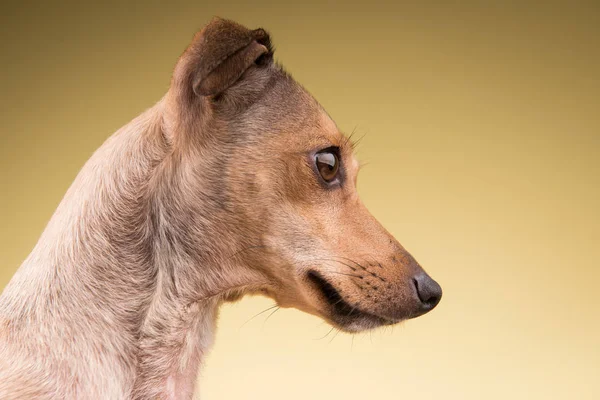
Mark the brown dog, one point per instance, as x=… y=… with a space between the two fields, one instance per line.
x=236 y=182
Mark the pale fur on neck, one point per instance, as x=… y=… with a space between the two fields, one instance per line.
x=103 y=288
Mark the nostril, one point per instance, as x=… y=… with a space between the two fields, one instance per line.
x=432 y=301
x=428 y=290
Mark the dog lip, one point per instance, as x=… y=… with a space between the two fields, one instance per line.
x=341 y=308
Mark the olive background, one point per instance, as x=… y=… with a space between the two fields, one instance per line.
x=481 y=124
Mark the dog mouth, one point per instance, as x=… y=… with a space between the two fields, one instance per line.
x=343 y=313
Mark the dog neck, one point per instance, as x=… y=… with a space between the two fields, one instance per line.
x=117 y=251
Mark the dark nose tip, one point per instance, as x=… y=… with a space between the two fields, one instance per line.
x=428 y=290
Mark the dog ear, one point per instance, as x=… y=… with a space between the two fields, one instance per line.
x=222 y=52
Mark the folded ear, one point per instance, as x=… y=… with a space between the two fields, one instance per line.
x=222 y=52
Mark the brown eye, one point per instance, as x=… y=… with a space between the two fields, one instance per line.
x=327 y=165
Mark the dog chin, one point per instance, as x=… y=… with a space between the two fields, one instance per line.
x=360 y=323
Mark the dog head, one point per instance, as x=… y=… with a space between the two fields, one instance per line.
x=274 y=179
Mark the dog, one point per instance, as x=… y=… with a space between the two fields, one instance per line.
x=236 y=182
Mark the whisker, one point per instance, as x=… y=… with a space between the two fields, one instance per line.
x=357 y=285
x=352 y=309
x=372 y=260
x=262 y=312
x=337 y=261
x=354 y=144
x=349 y=137
x=332 y=270
x=269 y=316
x=327 y=334
x=351 y=260
x=336 y=333
x=339 y=301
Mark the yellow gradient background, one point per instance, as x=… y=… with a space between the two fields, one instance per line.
x=482 y=138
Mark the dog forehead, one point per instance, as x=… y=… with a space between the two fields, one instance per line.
x=329 y=128
x=321 y=131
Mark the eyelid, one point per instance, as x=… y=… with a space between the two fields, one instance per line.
x=330 y=149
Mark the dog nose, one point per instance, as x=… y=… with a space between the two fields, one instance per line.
x=428 y=291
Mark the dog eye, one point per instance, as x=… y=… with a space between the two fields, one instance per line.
x=327 y=165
